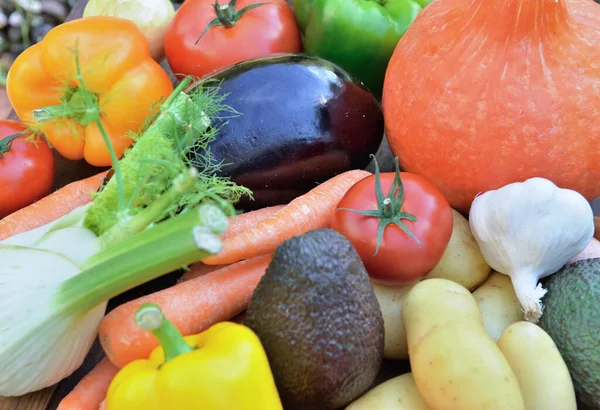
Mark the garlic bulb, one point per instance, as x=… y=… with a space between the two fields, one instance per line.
x=529 y=230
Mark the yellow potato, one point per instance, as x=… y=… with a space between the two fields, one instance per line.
x=462 y=261
x=433 y=302
x=390 y=300
x=457 y=366
x=498 y=304
x=399 y=393
x=455 y=363
x=540 y=369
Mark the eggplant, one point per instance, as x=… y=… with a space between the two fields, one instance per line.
x=303 y=120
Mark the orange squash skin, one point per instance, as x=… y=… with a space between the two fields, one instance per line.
x=481 y=93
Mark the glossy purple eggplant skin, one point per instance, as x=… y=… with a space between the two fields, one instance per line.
x=303 y=120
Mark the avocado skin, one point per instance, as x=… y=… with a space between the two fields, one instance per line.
x=319 y=321
x=572 y=318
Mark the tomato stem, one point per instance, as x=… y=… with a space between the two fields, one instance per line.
x=227 y=15
x=389 y=208
x=6 y=143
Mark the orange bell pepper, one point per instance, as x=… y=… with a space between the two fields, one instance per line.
x=84 y=70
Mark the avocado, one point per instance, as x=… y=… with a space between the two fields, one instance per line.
x=317 y=316
x=572 y=318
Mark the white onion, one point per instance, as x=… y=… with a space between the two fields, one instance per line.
x=151 y=16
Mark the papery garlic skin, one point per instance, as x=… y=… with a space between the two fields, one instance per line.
x=529 y=230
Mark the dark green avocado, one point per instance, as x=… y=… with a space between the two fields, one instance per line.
x=572 y=318
x=319 y=321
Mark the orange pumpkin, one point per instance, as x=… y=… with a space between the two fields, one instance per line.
x=482 y=93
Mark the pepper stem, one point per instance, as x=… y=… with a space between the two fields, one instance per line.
x=80 y=105
x=151 y=318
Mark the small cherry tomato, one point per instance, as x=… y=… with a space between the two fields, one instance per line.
x=26 y=167
x=400 y=235
x=205 y=36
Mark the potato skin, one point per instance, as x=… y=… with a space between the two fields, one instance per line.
x=540 y=369
x=390 y=300
x=462 y=261
x=455 y=363
x=434 y=302
x=498 y=304
x=399 y=393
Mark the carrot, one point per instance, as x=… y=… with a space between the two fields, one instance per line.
x=243 y=222
x=91 y=390
x=199 y=269
x=51 y=207
x=192 y=307
x=237 y=224
x=310 y=211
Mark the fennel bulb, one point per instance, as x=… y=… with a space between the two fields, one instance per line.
x=65 y=236
x=51 y=307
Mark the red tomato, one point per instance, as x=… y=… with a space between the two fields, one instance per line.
x=266 y=29
x=400 y=258
x=26 y=169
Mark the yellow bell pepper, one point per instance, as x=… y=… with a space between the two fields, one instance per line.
x=222 y=368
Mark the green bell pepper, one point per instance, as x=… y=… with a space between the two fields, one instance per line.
x=357 y=35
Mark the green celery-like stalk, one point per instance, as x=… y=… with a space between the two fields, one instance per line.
x=165 y=247
x=211 y=218
x=121 y=231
